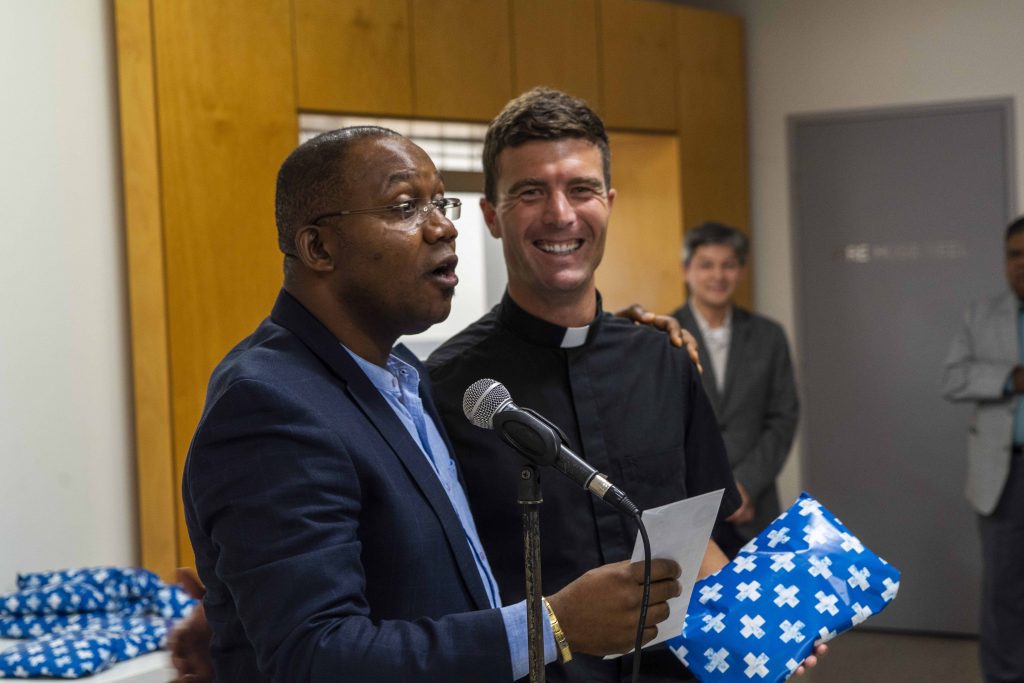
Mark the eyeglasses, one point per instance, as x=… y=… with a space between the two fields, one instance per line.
x=415 y=211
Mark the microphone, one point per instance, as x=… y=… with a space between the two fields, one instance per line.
x=488 y=404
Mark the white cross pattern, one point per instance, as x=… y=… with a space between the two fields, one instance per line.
x=681 y=652
x=891 y=588
x=815 y=534
x=713 y=622
x=792 y=631
x=756 y=665
x=752 y=626
x=851 y=543
x=826 y=603
x=858 y=578
x=744 y=563
x=749 y=591
x=809 y=507
x=862 y=613
x=710 y=593
x=716 y=660
x=783 y=561
x=820 y=567
x=824 y=635
x=787 y=596
x=792 y=665
x=777 y=536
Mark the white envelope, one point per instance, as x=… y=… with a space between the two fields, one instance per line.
x=678 y=531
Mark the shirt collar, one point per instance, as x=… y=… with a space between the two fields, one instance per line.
x=391 y=379
x=705 y=328
x=542 y=332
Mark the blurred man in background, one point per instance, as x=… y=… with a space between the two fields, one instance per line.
x=985 y=366
x=748 y=376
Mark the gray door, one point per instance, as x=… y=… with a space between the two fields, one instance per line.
x=898 y=220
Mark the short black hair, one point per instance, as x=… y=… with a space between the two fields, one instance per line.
x=309 y=180
x=710 y=232
x=542 y=114
x=1015 y=227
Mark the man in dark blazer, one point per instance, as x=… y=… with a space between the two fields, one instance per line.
x=327 y=516
x=748 y=376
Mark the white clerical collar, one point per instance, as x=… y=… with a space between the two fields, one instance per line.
x=575 y=336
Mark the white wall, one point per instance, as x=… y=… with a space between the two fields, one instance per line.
x=66 y=467
x=809 y=56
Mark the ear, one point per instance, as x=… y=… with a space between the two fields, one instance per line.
x=490 y=213
x=611 y=198
x=312 y=250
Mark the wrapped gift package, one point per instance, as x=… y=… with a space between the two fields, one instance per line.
x=802 y=581
x=78 y=622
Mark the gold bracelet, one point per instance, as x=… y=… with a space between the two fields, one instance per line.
x=564 y=653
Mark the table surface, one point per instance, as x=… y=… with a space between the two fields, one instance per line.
x=154 y=667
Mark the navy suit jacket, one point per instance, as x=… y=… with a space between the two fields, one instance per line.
x=328 y=547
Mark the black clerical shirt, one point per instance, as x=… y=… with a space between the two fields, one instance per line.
x=630 y=404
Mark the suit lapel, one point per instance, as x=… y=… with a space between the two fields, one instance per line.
x=289 y=313
x=738 y=342
x=685 y=317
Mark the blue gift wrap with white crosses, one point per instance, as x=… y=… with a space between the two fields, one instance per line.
x=78 y=622
x=802 y=581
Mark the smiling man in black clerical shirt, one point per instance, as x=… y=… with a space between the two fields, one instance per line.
x=630 y=404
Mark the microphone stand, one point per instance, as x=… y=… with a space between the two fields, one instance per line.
x=530 y=500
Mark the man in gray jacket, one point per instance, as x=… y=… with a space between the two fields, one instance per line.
x=985 y=366
x=748 y=376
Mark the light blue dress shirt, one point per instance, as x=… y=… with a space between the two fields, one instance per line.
x=399 y=384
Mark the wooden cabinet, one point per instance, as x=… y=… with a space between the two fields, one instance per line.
x=462 y=62
x=556 y=44
x=712 y=122
x=637 y=57
x=225 y=113
x=641 y=250
x=354 y=56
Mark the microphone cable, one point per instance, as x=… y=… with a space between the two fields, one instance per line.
x=642 y=622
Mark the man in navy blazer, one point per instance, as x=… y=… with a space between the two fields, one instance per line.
x=325 y=511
